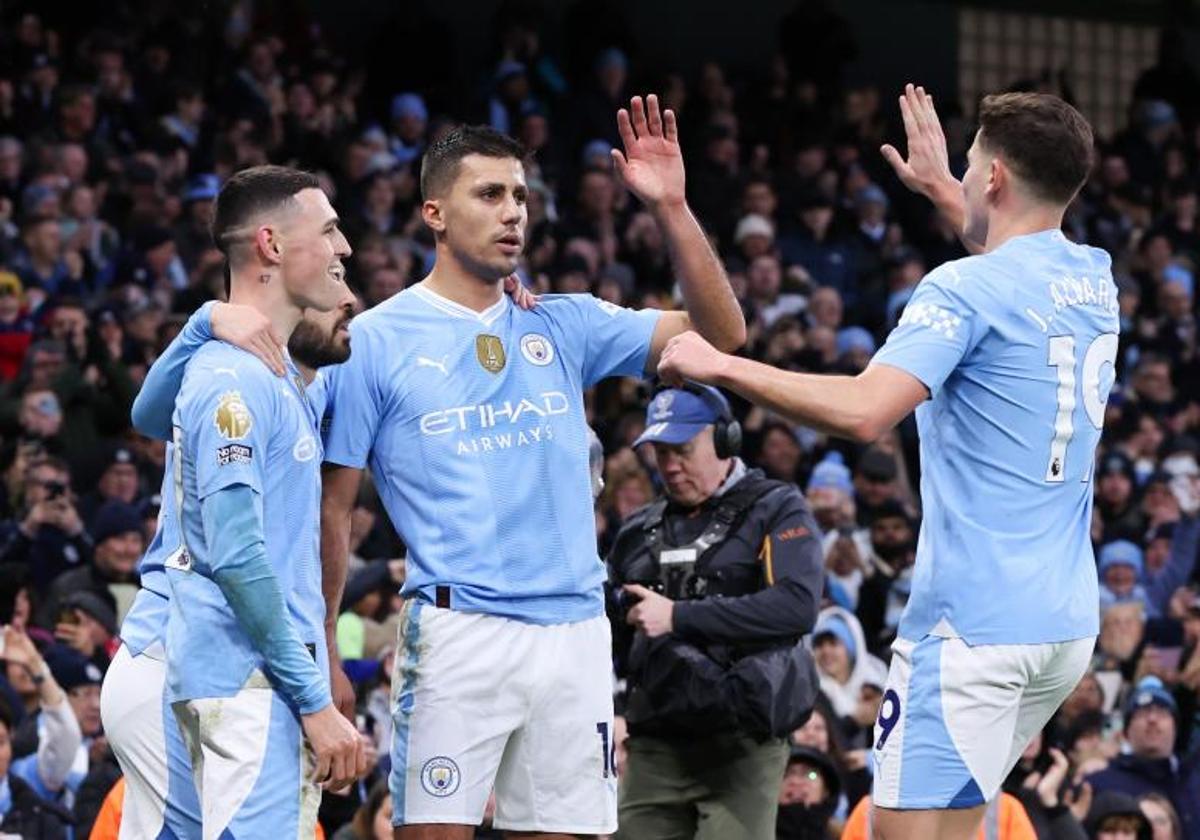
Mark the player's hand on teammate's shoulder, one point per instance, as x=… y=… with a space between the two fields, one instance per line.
x=340 y=758
x=688 y=356
x=251 y=330
x=521 y=296
x=927 y=170
x=652 y=164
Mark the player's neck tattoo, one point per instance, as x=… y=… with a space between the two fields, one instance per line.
x=264 y=279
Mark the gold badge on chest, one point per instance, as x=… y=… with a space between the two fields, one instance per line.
x=490 y=352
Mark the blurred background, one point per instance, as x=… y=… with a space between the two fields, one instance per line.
x=119 y=121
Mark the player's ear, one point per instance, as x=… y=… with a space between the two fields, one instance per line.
x=998 y=177
x=268 y=245
x=431 y=213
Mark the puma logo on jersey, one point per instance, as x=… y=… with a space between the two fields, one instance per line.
x=423 y=361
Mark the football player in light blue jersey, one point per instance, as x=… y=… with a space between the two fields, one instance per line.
x=1007 y=357
x=244 y=642
x=469 y=412
x=138 y=722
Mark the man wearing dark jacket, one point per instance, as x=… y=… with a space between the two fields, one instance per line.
x=1152 y=766
x=714 y=583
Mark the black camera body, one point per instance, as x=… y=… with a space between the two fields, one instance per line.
x=678 y=579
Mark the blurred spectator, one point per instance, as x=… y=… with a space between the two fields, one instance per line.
x=118 y=481
x=808 y=796
x=764 y=280
x=113 y=148
x=24 y=813
x=80 y=679
x=851 y=677
x=47 y=534
x=112 y=574
x=874 y=483
x=373 y=820
x=1116 y=815
x=1151 y=765
x=51 y=734
x=884 y=594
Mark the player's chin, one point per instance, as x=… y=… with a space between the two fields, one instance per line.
x=501 y=268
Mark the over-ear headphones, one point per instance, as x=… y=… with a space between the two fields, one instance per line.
x=727 y=431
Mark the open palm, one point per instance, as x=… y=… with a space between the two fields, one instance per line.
x=652 y=165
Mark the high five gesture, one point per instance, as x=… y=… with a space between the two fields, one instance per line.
x=652 y=165
x=927 y=170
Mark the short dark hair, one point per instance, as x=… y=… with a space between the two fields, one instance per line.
x=441 y=163
x=1044 y=140
x=252 y=192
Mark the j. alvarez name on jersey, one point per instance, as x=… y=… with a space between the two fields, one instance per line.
x=1066 y=293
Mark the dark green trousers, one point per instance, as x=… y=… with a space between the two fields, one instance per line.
x=717 y=788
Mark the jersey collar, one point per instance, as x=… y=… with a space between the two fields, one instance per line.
x=487 y=317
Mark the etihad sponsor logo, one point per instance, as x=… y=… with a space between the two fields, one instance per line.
x=500 y=441
x=465 y=418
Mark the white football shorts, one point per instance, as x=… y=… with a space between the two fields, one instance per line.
x=955 y=719
x=480 y=701
x=159 y=792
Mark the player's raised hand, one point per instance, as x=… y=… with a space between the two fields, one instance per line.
x=337 y=746
x=652 y=164
x=688 y=356
x=927 y=170
x=249 y=329
x=522 y=297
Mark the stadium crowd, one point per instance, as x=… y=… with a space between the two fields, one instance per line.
x=115 y=140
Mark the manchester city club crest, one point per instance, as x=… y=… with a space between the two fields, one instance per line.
x=490 y=352
x=440 y=776
x=661 y=409
x=232 y=417
x=537 y=349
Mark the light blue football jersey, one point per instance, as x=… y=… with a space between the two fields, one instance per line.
x=238 y=423
x=1016 y=347
x=147 y=617
x=146 y=621
x=474 y=428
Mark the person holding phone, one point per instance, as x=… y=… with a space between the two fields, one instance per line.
x=46 y=535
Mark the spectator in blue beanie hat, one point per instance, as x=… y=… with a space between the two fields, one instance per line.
x=410 y=119
x=1150 y=764
x=845 y=666
x=830 y=493
x=855 y=347
x=1124 y=576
